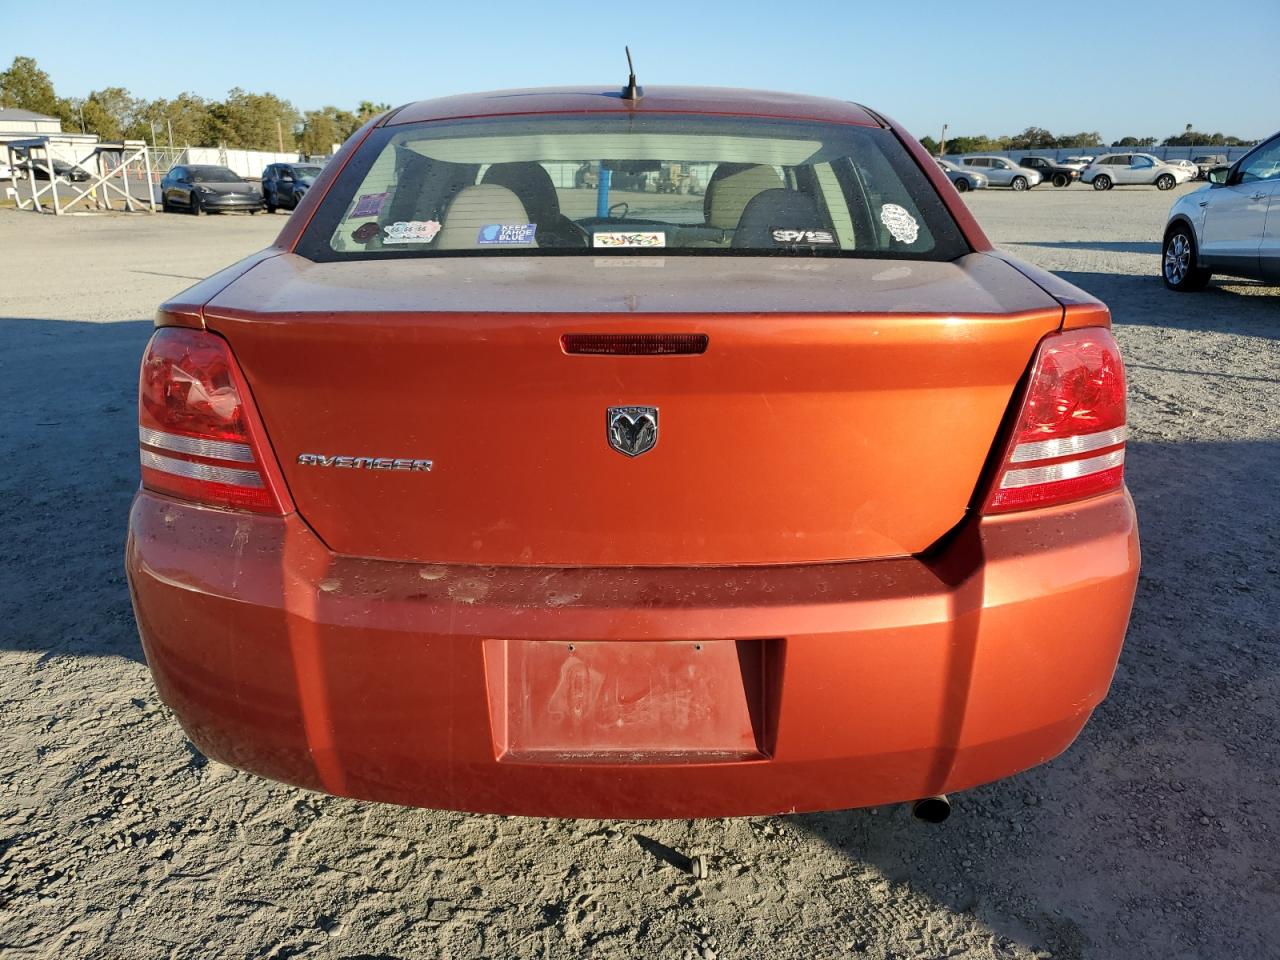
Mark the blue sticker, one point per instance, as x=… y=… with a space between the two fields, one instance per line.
x=507 y=233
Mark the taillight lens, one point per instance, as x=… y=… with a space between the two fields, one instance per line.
x=1070 y=437
x=197 y=439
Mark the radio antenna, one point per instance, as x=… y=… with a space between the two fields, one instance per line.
x=631 y=91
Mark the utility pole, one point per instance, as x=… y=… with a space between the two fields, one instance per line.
x=942 y=144
x=279 y=135
x=169 y=122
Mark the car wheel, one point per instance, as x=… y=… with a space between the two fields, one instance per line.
x=1102 y=182
x=1061 y=180
x=1019 y=184
x=962 y=185
x=164 y=205
x=1179 y=262
x=196 y=208
x=1166 y=181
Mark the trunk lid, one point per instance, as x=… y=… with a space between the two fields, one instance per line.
x=843 y=409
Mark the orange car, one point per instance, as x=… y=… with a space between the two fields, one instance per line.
x=677 y=455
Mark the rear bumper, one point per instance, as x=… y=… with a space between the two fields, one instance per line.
x=853 y=684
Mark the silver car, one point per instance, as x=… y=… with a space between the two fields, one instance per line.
x=964 y=179
x=1230 y=226
x=1120 y=169
x=1003 y=172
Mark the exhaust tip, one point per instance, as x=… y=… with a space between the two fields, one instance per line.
x=931 y=809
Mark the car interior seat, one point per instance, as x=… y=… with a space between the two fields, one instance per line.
x=777 y=209
x=476 y=207
x=532 y=184
x=731 y=188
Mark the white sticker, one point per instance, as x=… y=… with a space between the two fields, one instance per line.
x=629 y=239
x=901 y=224
x=411 y=231
x=803 y=237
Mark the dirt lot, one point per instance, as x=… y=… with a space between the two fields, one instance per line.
x=1157 y=835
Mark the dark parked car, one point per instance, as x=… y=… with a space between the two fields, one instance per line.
x=1058 y=174
x=1206 y=162
x=284 y=184
x=198 y=188
x=39 y=170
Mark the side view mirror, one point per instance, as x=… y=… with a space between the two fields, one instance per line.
x=1218 y=175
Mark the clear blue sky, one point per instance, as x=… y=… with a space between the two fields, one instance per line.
x=982 y=66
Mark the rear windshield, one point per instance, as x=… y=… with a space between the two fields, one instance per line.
x=605 y=185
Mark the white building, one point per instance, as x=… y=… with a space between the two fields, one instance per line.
x=27 y=125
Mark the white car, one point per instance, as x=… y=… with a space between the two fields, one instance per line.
x=1230 y=226
x=1187 y=165
x=1123 y=169
x=1003 y=172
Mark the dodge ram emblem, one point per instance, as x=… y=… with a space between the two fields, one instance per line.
x=632 y=430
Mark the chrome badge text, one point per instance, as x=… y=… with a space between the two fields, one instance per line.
x=363 y=463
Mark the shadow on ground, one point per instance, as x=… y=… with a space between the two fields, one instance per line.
x=1227 y=306
x=69 y=392
x=1102 y=246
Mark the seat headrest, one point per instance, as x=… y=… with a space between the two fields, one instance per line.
x=477 y=207
x=776 y=209
x=729 y=192
x=532 y=184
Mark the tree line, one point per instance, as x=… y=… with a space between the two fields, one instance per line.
x=1038 y=138
x=263 y=121
x=244 y=120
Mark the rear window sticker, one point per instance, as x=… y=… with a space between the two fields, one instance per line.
x=806 y=237
x=629 y=239
x=370 y=205
x=507 y=233
x=900 y=223
x=365 y=232
x=411 y=231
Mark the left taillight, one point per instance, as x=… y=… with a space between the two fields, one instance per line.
x=198 y=438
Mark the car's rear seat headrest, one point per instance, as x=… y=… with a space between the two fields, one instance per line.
x=477 y=207
x=729 y=193
x=772 y=210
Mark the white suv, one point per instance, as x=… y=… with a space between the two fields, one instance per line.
x=1231 y=226
x=1118 y=169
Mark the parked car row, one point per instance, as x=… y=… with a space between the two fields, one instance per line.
x=197 y=188
x=1102 y=173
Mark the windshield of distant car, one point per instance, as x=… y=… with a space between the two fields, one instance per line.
x=308 y=172
x=212 y=175
x=602 y=185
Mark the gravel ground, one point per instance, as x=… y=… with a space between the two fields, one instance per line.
x=1156 y=835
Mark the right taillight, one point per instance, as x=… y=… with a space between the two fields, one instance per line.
x=1070 y=434
x=198 y=439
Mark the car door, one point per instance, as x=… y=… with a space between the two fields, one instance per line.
x=285 y=187
x=1139 y=170
x=1001 y=172
x=1237 y=212
x=1267 y=169
x=269 y=184
x=173 y=181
